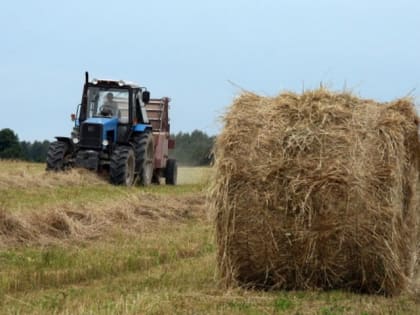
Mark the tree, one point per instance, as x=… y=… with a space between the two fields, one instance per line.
x=36 y=151
x=9 y=145
x=39 y=150
x=193 y=149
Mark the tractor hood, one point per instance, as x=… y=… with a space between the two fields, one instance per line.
x=107 y=122
x=95 y=130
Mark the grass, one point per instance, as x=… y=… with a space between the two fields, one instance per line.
x=166 y=267
x=52 y=267
x=78 y=186
x=193 y=175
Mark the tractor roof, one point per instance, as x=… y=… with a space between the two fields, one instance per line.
x=114 y=83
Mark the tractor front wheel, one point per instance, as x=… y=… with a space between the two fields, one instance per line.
x=122 y=166
x=58 y=156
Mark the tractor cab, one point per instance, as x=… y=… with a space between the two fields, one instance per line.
x=119 y=99
x=116 y=107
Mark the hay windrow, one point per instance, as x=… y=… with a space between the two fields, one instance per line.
x=15 y=174
x=134 y=214
x=317 y=191
x=13 y=229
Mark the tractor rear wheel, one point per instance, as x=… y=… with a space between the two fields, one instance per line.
x=58 y=156
x=144 y=148
x=122 y=166
x=171 y=172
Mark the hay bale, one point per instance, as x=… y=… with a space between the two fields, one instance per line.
x=317 y=191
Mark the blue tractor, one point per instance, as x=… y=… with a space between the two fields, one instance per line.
x=113 y=133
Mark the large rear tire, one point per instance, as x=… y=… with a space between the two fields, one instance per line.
x=58 y=156
x=122 y=166
x=171 y=172
x=144 y=147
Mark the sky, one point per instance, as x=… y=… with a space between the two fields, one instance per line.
x=199 y=53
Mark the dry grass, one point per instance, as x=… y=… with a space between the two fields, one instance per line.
x=153 y=254
x=44 y=208
x=166 y=272
x=318 y=191
x=26 y=186
x=69 y=223
x=193 y=175
x=16 y=174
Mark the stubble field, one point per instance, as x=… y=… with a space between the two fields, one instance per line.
x=70 y=243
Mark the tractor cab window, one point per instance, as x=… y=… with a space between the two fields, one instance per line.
x=105 y=102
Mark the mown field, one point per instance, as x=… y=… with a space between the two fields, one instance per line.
x=73 y=244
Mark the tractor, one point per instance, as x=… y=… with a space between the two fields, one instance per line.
x=120 y=131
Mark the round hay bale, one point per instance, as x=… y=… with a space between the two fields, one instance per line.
x=317 y=191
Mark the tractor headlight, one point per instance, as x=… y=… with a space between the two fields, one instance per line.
x=105 y=143
x=75 y=140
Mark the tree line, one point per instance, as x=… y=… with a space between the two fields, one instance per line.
x=12 y=148
x=191 y=149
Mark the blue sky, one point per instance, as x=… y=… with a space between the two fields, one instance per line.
x=191 y=50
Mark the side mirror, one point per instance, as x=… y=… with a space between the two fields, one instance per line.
x=145 y=97
x=73 y=117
